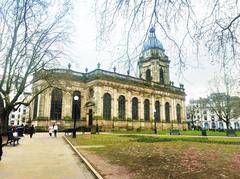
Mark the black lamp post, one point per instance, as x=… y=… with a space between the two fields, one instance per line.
x=75 y=98
x=155 y=121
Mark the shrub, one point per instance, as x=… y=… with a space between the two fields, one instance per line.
x=40 y=129
x=42 y=118
x=67 y=118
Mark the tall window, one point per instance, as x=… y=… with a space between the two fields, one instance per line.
x=121 y=107
x=135 y=108
x=35 y=107
x=107 y=106
x=56 y=104
x=236 y=125
x=157 y=111
x=161 y=76
x=76 y=105
x=178 y=110
x=146 y=110
x=167 y=112
x=148 y=75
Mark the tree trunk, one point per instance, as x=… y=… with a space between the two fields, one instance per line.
x=227 y=124
x=4 y=126
x=1 y=146
x=5 y=119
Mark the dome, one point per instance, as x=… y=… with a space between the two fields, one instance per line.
x=152 y=41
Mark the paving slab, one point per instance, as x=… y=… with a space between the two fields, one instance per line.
x=42 y=157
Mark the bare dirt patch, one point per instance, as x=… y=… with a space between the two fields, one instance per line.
x=105 y=168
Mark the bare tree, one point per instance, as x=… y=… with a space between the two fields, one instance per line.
x=223 y=100
x=208 y=23
x=219 y=30
x=31 y=36
x=192 y=111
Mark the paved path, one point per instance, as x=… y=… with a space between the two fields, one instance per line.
x=42 y=157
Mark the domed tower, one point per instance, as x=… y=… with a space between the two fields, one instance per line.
x=153 y=63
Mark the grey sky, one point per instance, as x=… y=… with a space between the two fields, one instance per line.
x=83 y=53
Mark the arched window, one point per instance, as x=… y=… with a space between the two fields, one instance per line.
x=146 y=110
x=161 y=76
x=206 y=125
x=35 y=107
x=167 y=112
x=76 y=105
x=121 y=107
x=213 y=125
x=148 y=75
x=157 y=111
x=220 y=125
x=178 y=110
x=56 y=104
x=135 y=108
x=236 y=125
x=107 y=106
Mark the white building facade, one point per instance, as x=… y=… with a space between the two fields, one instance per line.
x=21 y=114
x=201 y=114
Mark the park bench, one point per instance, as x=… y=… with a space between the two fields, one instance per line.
x=11 y=139
x=231 y=133
x=174 y=132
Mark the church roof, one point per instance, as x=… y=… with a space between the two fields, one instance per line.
x=100 y=74
x=152 y=42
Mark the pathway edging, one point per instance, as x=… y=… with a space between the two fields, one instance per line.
x=93 y=170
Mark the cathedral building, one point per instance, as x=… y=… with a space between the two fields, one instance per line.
x=114 y=100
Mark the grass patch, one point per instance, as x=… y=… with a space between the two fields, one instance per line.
x=166 y=132
x=168 y=156
x=150 y=139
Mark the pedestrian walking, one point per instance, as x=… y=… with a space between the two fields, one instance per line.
x=50 y=130
x=55 y=129
x=31 y=131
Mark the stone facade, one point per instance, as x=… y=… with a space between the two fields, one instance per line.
x=152 y=85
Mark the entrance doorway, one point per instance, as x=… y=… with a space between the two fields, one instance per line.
x=90 y=117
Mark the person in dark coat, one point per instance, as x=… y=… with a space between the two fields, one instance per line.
x=31 y=131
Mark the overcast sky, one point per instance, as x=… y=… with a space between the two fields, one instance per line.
x=83 y=53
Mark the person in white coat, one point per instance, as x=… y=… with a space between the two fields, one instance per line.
x=55 y=129
x=50 y=130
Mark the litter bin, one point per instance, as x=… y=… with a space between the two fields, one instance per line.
x=204 y=132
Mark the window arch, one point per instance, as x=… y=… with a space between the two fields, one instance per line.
x=56 y=104
x=161 y=76
x=167 y=112
x=220 y=125
x=35 y=107
x=146 y=110
x=157 y=111
x=121 y=107
x=236 y=126
x=148 y=75
x=107 y=106
x=178 y=110
x=76 y=105
x=135 y=108
x=206 y=125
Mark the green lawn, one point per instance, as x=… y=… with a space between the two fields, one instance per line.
x=166 y=132
x=168 y=156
